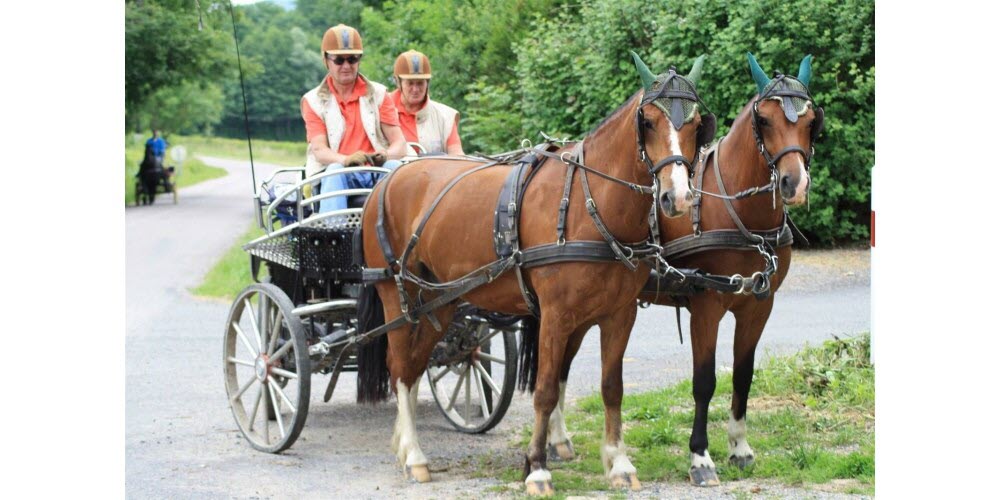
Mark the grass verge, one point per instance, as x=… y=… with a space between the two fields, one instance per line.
x=290 y=154
x=810 y=419
x=232 y=272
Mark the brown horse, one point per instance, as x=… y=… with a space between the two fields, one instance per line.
x=768 y=147
x=438 y=216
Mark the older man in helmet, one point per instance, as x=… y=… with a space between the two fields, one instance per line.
x=348 y=119
x=427 y=122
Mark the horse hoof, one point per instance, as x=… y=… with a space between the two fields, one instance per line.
x=418 y=473
x=626 y=480
x=741 y=462
x=562 y=451
x=539 y=488
x=703 y=476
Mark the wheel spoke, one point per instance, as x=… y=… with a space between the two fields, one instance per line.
x=280 y=353
x=482 y=397
x=285 y=373
x=243 y=337
x=489 y=357
x=253 y=322
x=468 y=396
x=458 y=386
x=267 y=425
x=256 y=406
x=241 y=362
x=281 y=393
x=441 y=372
x=275 y=330
x=262 y=321
x=243 y=389
x=492 y=333
x=277 y=411
x=486 y=376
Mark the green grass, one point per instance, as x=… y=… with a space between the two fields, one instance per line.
x=810 y=420
x=290 y=154
x=192 y=171
x=232 y=272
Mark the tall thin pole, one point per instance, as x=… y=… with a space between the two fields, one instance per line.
x=246 y=117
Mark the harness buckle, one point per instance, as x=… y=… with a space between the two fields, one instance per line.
x=563 y=157
x=563 y=203
x=561 y=241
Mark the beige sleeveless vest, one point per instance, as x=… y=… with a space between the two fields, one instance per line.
x=434 y=125
x=324 y=104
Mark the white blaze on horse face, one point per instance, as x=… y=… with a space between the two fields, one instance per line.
x=557 y=424
x=800 y=190
x=405 y=438
x=679 y=174
x=738 y=445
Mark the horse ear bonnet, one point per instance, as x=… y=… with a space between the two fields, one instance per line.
x=707 y=130
x=680 y=111
x=817 y=124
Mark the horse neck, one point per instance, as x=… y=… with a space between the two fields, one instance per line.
x=611 y=149
x=743 y=167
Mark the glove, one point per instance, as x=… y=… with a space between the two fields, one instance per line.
x=377 y=159
x=356 y=158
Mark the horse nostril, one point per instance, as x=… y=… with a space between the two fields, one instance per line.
x=785 y=181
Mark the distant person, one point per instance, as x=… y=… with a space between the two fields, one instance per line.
x=158 y=144
x=348 y=119
x=427 y=122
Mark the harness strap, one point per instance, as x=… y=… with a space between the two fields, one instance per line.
x=564 y=203
x=596 y=216
x=721 y=239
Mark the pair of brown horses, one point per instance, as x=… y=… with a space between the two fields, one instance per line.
x=455 y=222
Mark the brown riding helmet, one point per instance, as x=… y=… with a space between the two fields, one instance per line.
x=342 y=39
x=412 y=65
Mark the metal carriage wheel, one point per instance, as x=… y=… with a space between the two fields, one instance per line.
x=267 y=368
x=473 y=371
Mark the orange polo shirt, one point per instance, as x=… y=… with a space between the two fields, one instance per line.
x=408 y=121
x=355 y=138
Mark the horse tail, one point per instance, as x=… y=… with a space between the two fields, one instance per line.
x=373 y=372
x=528 y=355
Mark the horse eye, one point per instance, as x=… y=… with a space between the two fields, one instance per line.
x=648 y=124
x=764 y=122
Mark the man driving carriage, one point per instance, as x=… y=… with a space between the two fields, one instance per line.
x=424 y=121
x=159 y=145
x=348 y=119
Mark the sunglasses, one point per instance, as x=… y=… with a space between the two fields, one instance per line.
x=352 y=59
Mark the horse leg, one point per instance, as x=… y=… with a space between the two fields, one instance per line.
x=409 y=348
x=552 y=340
x=749 y=326
x=559 y=445
x=706 y=312
x=615 y=332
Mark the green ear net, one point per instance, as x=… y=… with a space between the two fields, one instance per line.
x=805 y=70
x=695 y=73
x=644 y=73
x=759 y=77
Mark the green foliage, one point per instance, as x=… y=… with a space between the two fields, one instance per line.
x=169 y=44
x=517 y=68
x=576 y=70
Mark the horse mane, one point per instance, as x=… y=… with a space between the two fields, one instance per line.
x=614 y=114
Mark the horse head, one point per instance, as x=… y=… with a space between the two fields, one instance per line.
x=786 y=123
x=670 y=130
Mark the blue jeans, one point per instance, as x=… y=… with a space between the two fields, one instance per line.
x=361 y=180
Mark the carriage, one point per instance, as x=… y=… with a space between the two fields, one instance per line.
x=300 y=318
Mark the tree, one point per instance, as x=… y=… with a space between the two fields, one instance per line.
x=168 y=44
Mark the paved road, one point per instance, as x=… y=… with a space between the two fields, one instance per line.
x=180 y=437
